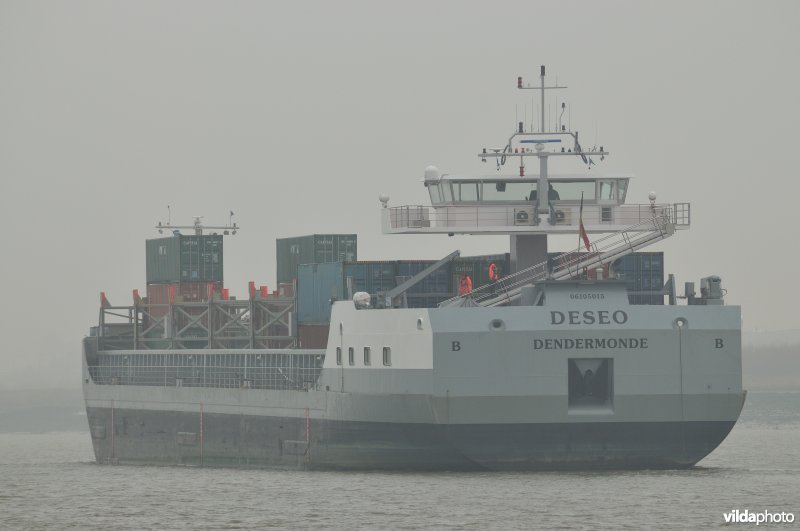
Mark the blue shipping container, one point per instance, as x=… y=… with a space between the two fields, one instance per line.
x=317 y=284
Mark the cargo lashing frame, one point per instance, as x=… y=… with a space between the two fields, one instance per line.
x=218 y=324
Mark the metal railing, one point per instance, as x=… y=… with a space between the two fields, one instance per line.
x=488 y=216
x=267 y=371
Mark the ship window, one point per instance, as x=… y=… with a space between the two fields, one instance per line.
x=387 y=356
x=469 y=191
x=351 y=356
x=622 y=185
x=367 y=356
x=505 y=191
x=435 y=195
x=572 y=191
x=591 y=382
x=338 y=355
x=447 y=193
x=605 y=190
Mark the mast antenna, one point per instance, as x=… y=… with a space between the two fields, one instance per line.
x=542 y=88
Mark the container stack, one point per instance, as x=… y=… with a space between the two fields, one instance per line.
x=184 y=268
x=643 y=274
x=320 y=284
x=312 y=249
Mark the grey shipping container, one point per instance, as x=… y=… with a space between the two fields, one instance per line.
x=312 y=249
x=185 y=258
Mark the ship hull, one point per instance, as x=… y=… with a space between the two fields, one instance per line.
x=548 y=387
x=147 y=437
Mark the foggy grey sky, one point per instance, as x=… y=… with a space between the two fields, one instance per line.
x=296 y=115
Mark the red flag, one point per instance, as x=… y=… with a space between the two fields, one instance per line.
x=581 y=229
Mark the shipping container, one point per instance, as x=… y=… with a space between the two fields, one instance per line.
x=432 y=290
x=317 y=284
x=312 y=249
x=312 y=336
x=185 y=258
x=371 y=277
x=643 y=274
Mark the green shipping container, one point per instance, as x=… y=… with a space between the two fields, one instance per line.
x=185 y=258
x=312 y=249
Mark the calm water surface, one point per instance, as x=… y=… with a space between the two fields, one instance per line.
x=49 y=480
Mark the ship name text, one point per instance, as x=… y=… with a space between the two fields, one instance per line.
x=590 y=343
x=588 y=317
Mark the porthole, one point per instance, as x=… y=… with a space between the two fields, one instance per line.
x=497 y=325
x=680 y=323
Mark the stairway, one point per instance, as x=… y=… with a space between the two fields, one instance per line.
x=571 y=264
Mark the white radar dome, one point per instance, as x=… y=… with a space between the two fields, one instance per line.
x=652 y=196
x=431 y=173
x=361 y=299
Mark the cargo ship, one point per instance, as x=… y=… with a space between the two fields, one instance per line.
x=524 y=360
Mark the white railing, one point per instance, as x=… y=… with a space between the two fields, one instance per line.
x=270 y=370
x=521 y=216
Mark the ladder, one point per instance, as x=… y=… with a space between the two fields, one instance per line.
x=570 y=264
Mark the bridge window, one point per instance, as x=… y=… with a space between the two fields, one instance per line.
x=622 y=184
x=367 y=356
x=605 y=190
x=387 y=356
x=351 y=356
x=435 y=195
x=338 y=355
x=507 y=191
x=571 y=191
x=447 y=193
x=468 y=191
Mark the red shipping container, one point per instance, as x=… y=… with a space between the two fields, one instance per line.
x=313 y=336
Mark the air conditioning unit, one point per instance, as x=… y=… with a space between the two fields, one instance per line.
x=522 y=216
x=563 y=217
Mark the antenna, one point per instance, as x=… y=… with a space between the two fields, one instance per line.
x=542 y=88
x=533 y=116
x=198 y=227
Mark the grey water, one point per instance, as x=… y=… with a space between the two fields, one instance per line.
x=48 y=480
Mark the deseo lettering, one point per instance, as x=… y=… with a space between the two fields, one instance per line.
x=588 y=317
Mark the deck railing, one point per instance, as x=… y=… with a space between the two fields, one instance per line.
x=488 y=217
x=268 y=371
